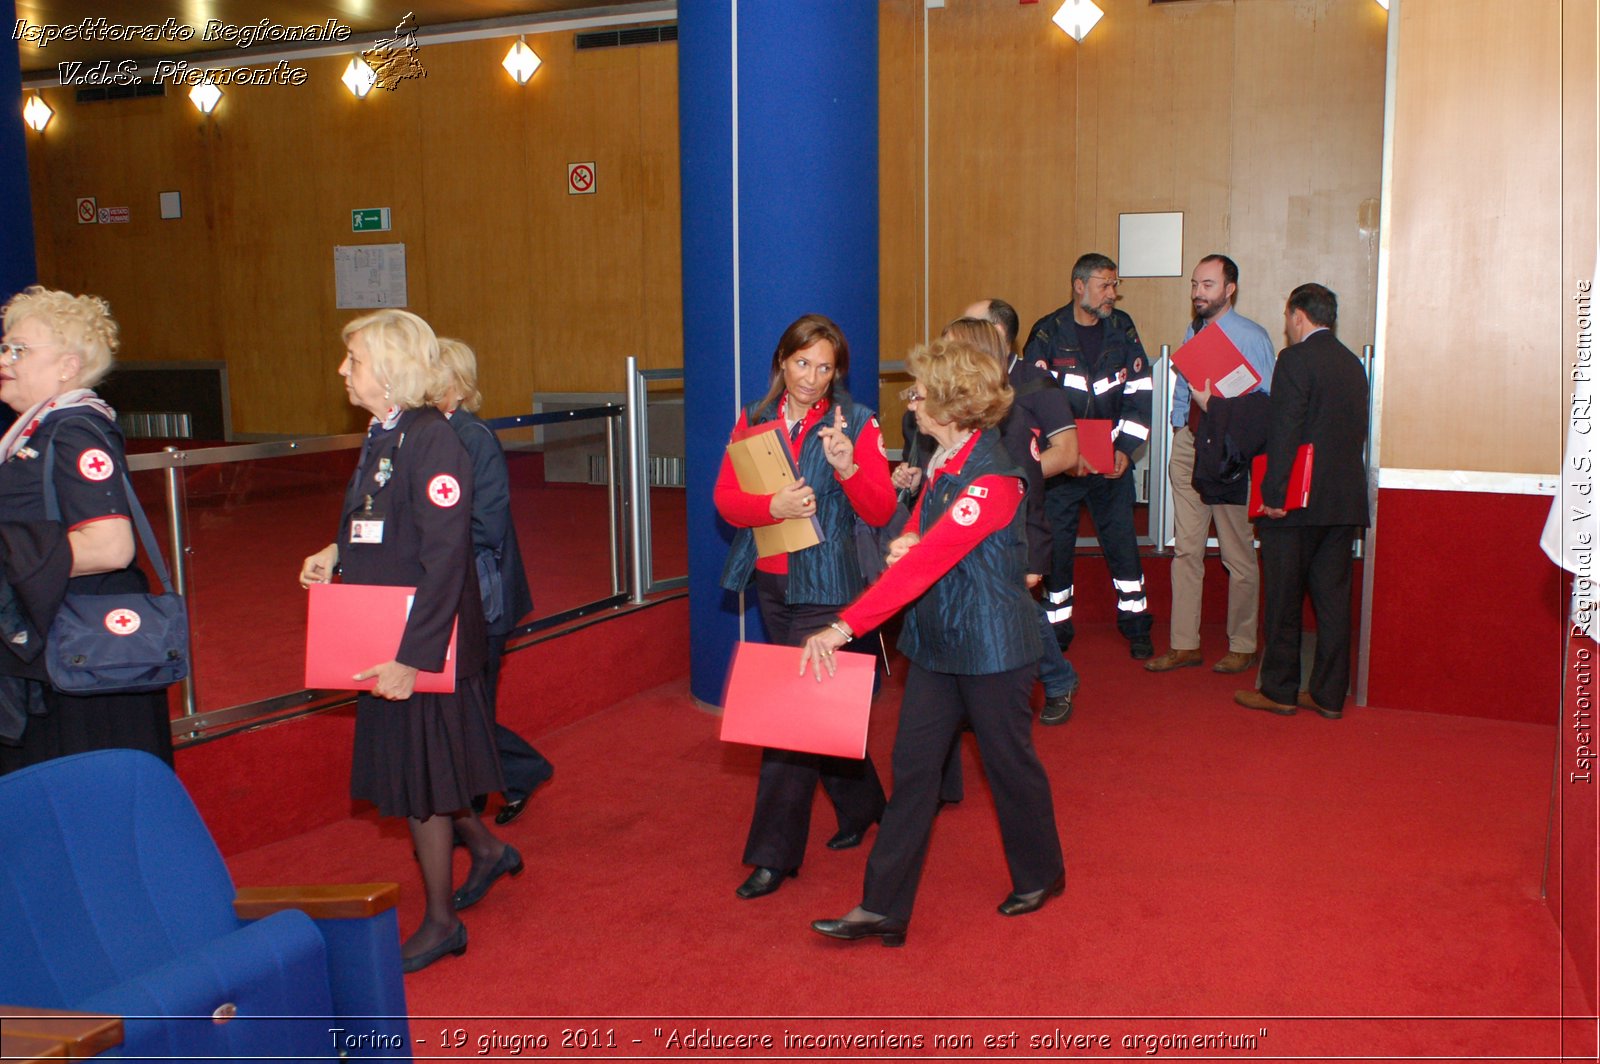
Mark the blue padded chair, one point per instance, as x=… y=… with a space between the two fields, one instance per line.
x=114 y=900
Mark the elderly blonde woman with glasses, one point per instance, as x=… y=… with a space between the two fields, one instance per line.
x=972 y=638
x=407 y=521
x=57 y=346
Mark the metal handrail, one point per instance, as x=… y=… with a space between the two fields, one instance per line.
x=628 y=482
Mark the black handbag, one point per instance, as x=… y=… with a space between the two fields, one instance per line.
x=118 y=643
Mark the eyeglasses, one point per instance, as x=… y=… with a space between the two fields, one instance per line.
x=11 y=354
x=911 y=395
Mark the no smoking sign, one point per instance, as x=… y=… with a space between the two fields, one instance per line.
x=87 y=212
x=580 y=179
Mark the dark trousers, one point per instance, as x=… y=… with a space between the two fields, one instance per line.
x=782 y=819
x=523 y=767
x=936 y=706
x=1111 y=508
x=1297 y=560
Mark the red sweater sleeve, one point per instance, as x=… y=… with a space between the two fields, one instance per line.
x=739 y=508
x=870 y=491
x=963 y=526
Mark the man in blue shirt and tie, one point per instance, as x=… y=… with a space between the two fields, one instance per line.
x=1212 y=288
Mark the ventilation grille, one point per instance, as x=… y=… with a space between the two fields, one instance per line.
x=96 y=93
x=666 y=471
x=619 y=38
x=143 y=426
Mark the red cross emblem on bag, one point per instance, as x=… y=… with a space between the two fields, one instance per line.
x=122 y=621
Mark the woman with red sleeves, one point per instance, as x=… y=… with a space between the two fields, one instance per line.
x=972 y=636
x=844 y=473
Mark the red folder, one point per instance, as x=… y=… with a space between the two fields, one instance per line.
x=1209 y=355
x=352 y=627
x=1299 y=480
x=768 y=703
x=1094 y=443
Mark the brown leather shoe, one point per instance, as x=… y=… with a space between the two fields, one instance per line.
x=1257 y=700
x=1305 y=701
x=1174 y=659
x=1233 y=661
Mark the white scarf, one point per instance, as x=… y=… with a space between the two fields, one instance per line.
x=27 y=423
x=944 y=454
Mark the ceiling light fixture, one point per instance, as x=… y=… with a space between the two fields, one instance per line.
x=1077 y=17
x=37 y=113
x=521 y=61
x=359 y=78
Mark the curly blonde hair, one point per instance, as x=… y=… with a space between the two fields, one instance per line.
x=404 y=353
x=83 y=325
x=960 y=384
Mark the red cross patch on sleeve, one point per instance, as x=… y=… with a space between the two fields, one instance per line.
x=966 y=511
x=95 y=464
x=444 y=491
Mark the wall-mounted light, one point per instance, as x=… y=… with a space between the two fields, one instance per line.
x=205 y=96
x=37 y=113
x=359 y=78
x=520 y=62
x=1077 y=17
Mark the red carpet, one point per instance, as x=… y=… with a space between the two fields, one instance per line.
x=1361 y=888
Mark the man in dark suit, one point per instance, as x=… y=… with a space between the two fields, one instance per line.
x=1319 y=396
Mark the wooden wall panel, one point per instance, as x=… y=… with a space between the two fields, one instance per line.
x=552 y=290
x=902 y=310
x=1155 y=131
x=1002 y=158
x=1580 y=156
x=1476 y=238
x=1307 y=155
x=1039 y=143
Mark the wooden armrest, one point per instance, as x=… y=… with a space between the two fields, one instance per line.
x=27 y=1048
x=341 y=901
x=78 y=1034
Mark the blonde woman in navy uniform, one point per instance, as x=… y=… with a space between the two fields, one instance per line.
x=972 y=636
x=843 y=473
x=407 y=521
x=56 y=348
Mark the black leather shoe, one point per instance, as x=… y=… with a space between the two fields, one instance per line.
x=471 y=893
x=513 y=807
x=455 y=945
x=763 y=881
x=1058 y=710
x=510 y=811
x=892 y=932
x=846 y=840
x=1141 y=648
x=1021 y=904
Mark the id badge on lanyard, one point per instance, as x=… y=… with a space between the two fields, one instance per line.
x=366 y=526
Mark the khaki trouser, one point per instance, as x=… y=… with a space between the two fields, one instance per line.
x=1192 y=520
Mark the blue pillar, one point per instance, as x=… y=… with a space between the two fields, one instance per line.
x=17 y=268
x=778 y=135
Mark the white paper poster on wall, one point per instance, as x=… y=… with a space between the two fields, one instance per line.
x=1150 y=245
x=367 y=276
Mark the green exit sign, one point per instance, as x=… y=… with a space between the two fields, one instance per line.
x=370 y=220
